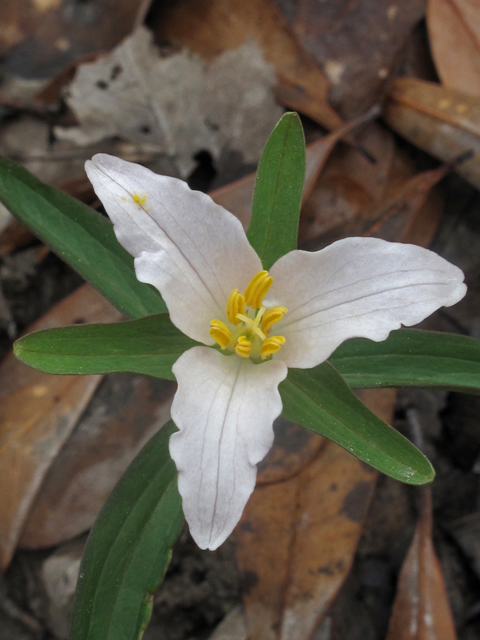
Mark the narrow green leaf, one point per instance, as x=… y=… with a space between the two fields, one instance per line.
x=319 y=399
x=129 y=548
x=148 y=346
x=411 y=358
x=277 y=198
x=80 y=236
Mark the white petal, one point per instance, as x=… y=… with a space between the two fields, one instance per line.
x=357 y=287
x=224 y=409
x=191 y=249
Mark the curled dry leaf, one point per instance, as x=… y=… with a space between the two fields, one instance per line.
x=38 y=414
x=210 y=27
x=297 y=538
x=421 y=610
x=454 y=30
x=384 y=200
x=402 y=215
x=443 y=122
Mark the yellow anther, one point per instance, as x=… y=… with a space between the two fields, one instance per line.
x=243 y=346
x=271 y=345
x=271 y=316
x=235 y=305
x=220 y=333
x=256 y=290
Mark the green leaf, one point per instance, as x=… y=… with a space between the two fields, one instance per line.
x=148 y=346
x=319 y=399
x=129 y=547
x=277 y=198
x=411 y=357
x=81 y=237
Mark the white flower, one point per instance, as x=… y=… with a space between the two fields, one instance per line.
x=198 y=256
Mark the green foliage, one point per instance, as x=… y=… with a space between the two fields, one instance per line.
x=319 y=399
x=412 y=358
x=148 y=346
x=129 y=548
x=80 y=236
x=277 y=198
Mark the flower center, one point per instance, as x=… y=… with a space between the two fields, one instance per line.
x=249 y=323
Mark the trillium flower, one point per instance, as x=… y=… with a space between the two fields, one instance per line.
x=254 y=324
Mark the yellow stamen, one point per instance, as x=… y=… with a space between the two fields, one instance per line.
x=271 y=316
x=271 y=345
x=243 y=346
x=220 y=333
x=235 y=305
x=256 y=290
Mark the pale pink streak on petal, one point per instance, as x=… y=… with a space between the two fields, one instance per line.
x=191 y=249
x=224 y=409
x=357 y=287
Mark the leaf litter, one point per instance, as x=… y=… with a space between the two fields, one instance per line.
x=394 y=196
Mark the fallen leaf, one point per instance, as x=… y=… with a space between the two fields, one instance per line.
x=38 y=413
x=386 y=200
x=402 y=215
x=294 y=448
x=211 y=27
x=297 y=538
x=40 y=37
x=122 y=416
x=454 y=30
x=357 y=44
x=178 y=103
x=443 y=122
x=421 y=610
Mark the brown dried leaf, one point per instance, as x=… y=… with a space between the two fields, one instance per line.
x=357 y=44
x=441 y=121
x=293 y=449
x=454 y=30
x=402 y=215
x=122 y=416
x=40 y=37
x=421 y=610
x=38 y=413
x=209 y=27
x=386 y=200
x=297 y=538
